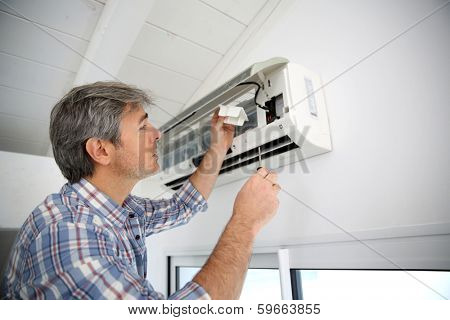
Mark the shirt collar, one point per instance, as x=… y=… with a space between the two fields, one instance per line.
x=100 y=202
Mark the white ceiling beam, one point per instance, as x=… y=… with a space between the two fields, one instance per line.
x=117 y=29
x=115 y=33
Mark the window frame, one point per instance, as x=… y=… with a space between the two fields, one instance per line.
x=412 y=248
x=258 y=261
x=417 y=252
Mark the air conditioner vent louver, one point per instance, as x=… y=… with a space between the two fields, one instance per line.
x=269 y=149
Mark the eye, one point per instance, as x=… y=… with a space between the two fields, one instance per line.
x=144 y=127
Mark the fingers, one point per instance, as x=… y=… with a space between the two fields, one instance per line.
x=262 y=171
x=216 y=119
x=267 y=174
x=270 y=176
x=276 y=187
x=220 y=121
x=228 y=127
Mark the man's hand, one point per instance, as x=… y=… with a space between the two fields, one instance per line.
x=221 y=139
x=222 y=134
x=257 y=201
x=206 y=174
x=223 y=274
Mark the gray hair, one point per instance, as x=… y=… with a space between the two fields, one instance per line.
x=88 y=111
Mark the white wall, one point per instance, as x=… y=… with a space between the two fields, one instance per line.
x=25 y=182
x=389 y=119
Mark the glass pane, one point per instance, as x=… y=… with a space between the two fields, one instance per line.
x=184 y=275
x=373 y=284
x=259 y=283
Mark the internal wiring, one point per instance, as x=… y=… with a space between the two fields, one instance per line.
x=256 y=93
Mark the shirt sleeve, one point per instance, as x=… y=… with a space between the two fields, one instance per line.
x=86 y=264
x=191 y=291
x=166 y=214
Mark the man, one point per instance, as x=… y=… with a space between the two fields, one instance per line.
x=88 y=240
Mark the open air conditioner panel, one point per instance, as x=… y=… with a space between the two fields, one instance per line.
x=287 y=122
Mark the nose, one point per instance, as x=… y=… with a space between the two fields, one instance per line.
x=158 y=134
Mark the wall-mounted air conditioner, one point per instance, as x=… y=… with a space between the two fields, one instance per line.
x=288 y=122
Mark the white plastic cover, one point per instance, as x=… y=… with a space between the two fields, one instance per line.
x=234 y=115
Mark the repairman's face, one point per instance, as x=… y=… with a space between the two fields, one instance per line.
x=137 y=157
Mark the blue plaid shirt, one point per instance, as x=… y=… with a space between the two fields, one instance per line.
x=80 y=244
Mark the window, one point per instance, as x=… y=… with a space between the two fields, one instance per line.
x=338 y=268
x=262 y=280
x=184 y=275
x=370 y=284
x=259 y=283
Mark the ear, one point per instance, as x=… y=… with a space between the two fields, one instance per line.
x=99 y=150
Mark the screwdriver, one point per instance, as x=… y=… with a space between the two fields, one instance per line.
x=259 y=159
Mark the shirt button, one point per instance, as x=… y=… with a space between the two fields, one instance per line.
x=137 y=237
x=131 y=215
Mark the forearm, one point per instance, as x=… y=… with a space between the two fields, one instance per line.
x=206 y=174
x=224 y=273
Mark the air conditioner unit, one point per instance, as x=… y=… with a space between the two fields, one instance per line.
x=288 y=122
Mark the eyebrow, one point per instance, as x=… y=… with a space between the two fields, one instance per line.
x=145 y=116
